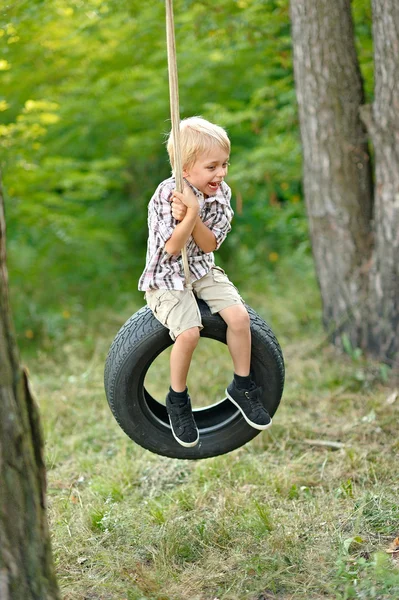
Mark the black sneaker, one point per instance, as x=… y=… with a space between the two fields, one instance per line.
x=182 y=422
x=250 y=405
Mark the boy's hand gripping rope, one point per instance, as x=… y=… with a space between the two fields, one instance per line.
x=175 y=116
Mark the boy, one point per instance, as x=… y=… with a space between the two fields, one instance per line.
x=199 y=217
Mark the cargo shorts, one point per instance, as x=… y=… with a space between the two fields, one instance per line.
x=178 y=310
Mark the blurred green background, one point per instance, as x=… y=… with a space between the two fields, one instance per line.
x=84 y=109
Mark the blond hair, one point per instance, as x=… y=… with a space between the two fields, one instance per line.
x=197 y=136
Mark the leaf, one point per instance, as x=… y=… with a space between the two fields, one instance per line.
x=346 y=344
x=352 y=540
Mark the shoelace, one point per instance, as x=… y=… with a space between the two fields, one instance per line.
x=184 y=418
x=253 y=395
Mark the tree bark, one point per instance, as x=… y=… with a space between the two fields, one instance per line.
x=357 y=282
x=26 y=565
x=382 y=120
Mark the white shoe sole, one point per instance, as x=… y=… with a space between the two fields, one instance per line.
x=254 y=425
x=185 y=444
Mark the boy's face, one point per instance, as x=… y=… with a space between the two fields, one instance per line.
x=208 y=171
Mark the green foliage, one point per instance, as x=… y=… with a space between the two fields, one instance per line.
x=366 y=579
x=84 y=108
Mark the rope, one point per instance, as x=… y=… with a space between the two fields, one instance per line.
x=175 y=116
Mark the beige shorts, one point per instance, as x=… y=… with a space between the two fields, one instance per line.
x=178 y=310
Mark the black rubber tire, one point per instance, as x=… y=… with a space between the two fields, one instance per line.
x=222 y=428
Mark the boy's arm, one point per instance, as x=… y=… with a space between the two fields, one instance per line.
x=182 y=232
x=220 y=216
x=208 y=235
x=204 y=237
x=184 y=229
x=218 y=223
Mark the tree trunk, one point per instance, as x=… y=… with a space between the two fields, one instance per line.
x=358 y=282
x=26 y=565
x=382 y=121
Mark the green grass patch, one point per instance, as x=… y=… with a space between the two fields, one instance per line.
x=284 y=517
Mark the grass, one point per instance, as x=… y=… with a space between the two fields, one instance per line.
x=281 y=518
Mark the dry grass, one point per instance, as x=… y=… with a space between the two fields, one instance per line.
x=281 y=518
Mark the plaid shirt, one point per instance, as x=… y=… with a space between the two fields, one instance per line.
x=165 y=271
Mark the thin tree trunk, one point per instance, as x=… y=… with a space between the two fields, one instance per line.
x=382 y=120
x=337 y=170
x=26 y=565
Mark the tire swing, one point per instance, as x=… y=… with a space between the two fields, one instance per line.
x=142 y=338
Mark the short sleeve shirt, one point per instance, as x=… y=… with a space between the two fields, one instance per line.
x=164 y=270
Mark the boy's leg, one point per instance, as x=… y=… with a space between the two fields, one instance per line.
x=238 y=337
x=222 y=297
x=178 y=402
x=242 y=391
x=180 y=358
x=178 y=311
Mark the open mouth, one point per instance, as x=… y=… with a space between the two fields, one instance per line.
x=214 y=185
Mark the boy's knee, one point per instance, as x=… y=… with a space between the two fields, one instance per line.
x=239 y=319
x=243 y=320
x=189 y=337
